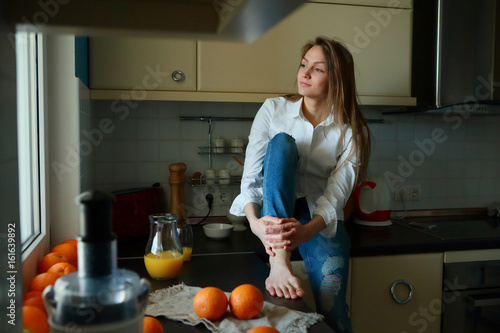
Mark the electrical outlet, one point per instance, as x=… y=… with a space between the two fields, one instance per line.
x=409 y=193
x=211 y=191
x=401 y=191
x=414 y=193
x=224 y=197
x=221 y=197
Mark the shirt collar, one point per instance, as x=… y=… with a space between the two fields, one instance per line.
x=296 y=111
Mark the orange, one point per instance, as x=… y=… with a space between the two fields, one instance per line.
x=35 y=320
x=69 y=251
x=246 y=301
x=41 y=281
x=71 y=241
x=210 y=303
x=151 y=325
x=37 y=302
x=50 y=259
x=30 y=294
x=264 y=329
x=62 y=268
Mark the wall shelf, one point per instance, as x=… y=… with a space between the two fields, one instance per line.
x=208 y=150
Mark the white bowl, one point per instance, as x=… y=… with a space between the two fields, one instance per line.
x=217 y=230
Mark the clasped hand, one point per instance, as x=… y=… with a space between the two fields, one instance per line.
x=280 y=233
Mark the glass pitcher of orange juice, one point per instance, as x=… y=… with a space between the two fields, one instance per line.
x=186 y=238
x=163 y=257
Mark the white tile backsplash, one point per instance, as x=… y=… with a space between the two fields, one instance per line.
x=460 y=171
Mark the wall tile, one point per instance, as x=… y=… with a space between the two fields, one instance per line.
x=169 y=129
x=460 y=172
x=147 y=129
x=125 y=151
x=125 y=173
x=126 y=129
x=148 y=151
x=148 y=173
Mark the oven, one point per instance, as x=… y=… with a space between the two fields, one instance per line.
x=471 y=279
x=471 y=297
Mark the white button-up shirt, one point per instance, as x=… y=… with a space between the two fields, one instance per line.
x=325 y=188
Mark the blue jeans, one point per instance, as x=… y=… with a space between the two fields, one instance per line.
x=326 y=259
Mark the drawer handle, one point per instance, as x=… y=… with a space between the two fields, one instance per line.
x=177 y=76
x=410 y=295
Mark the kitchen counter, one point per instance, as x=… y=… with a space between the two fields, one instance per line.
x=220 y=263
x=241 y=258
x=399 y=238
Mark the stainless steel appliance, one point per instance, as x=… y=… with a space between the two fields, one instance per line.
x=454 y=50
x=471 y=288
x=237 y=20
x=471 y=297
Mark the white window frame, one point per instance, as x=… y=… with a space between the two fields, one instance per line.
x=32 y=140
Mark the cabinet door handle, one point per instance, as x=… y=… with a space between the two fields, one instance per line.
x=177 y=76
x=410 y=294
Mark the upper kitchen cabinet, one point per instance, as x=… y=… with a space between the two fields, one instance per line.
x=142 y=64
x=378 y=37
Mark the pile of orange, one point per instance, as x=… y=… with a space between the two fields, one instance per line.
x=61 y=260
x=245 y=302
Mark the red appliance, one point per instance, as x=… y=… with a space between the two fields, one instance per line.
x=372 y=201
x=132 y=208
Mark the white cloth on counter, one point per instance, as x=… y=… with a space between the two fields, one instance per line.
x=176 y=303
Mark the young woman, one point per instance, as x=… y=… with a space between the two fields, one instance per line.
x=306 y=152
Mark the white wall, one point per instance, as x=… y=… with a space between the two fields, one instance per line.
x=63 y=127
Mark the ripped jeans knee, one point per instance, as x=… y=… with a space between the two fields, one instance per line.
x=332 y=281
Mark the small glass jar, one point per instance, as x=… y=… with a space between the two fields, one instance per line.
x=163 y=256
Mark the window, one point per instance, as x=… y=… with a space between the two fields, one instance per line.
x=30 y=111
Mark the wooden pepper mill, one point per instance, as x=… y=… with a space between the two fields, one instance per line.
x=177 y=180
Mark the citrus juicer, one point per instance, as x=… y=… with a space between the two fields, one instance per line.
x=99 y=297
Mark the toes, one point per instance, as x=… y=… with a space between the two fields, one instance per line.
x=301 y=293
x=271 y=290
x=279 y=292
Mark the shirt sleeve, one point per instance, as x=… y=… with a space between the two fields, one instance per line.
x=338 y=189
x=251 y=181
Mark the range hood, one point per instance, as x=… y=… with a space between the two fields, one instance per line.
x=455 y=46
x=235 y=20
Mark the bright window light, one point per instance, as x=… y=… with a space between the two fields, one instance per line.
x=29 y=111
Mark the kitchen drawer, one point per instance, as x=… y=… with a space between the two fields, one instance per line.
x=373 y=308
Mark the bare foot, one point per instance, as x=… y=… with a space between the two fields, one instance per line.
x=281 y=281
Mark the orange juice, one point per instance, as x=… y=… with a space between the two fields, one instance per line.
x=187 y=253
x=163 y=265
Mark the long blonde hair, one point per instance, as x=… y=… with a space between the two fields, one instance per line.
x=342 y=99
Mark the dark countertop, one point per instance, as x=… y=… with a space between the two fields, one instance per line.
x=242 y=259
x=365 y=241
x=223 y=263
x=398 y=238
